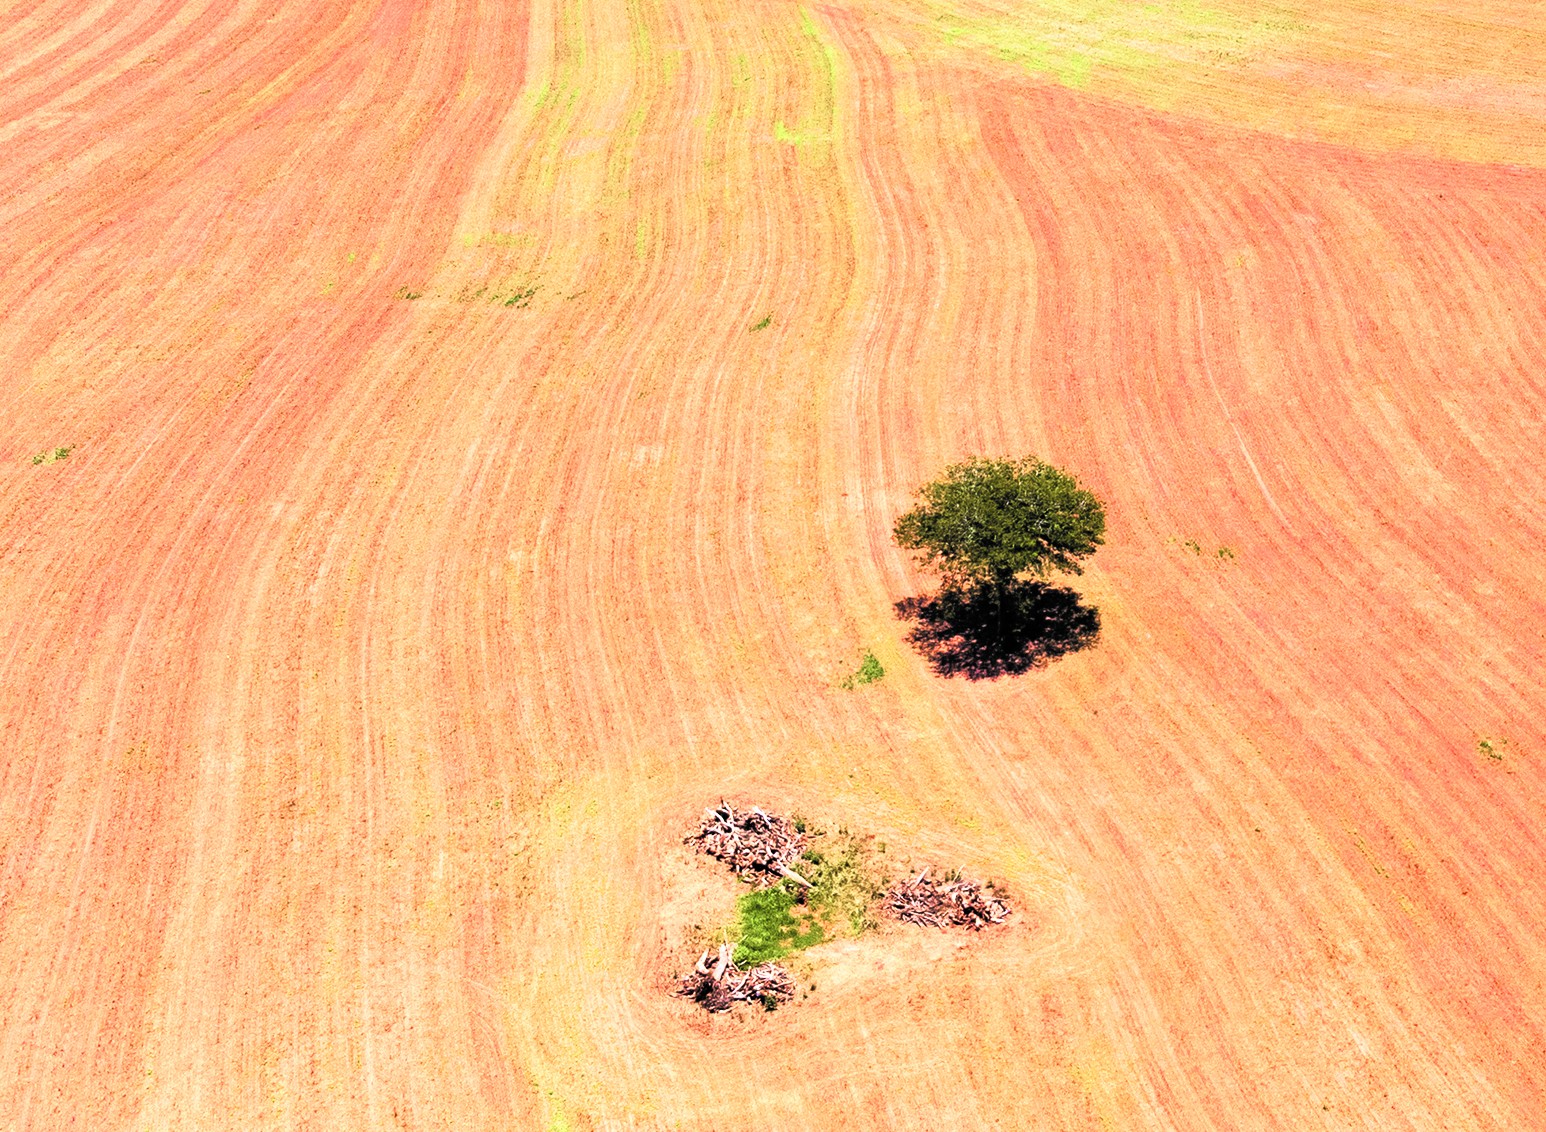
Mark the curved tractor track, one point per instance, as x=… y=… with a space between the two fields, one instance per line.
x=481 y=429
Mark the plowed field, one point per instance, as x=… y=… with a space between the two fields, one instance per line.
x=443 y=445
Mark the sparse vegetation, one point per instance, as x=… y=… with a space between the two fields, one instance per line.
x=1223 y=553
x=517 y=297
x=844 y=886
x=869 y=671
x=838 y=891
x=844 y=883
x=52 y=456
x=1492 y=748
x=767 y=321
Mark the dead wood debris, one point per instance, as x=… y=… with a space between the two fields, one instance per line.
x=757 y=846
x=716 y=982
x=938 y=904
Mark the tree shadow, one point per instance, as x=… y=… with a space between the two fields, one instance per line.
x=961 y=632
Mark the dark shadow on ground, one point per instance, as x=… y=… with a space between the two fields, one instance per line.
x=963 y=633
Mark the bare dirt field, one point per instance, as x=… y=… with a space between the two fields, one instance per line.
x=443 y=445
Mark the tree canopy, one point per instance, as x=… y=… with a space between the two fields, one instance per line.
x=985 y=521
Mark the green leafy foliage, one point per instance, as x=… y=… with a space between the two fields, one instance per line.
x=985 y=521
x=869 y=672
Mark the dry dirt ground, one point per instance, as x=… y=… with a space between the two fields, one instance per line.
x=436 y=536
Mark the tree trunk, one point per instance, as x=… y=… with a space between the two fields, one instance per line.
x=998 y=596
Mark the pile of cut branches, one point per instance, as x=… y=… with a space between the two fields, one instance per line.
x=757 y=846
x=953 y=901
x=715 y=985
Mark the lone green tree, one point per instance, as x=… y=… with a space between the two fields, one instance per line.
x=985 y=522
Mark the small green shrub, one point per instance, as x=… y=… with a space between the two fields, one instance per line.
x=766 y=322
x=869 y=672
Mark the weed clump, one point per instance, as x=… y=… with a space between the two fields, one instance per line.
x=1493 y=749
x=839 y=899
x=869 y=672
x=844 y=884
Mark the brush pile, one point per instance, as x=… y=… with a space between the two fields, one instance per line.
x=715 y=984
x=757 y=846
x=952 y=902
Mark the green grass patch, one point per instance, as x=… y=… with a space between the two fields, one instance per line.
x=772 y=923
x=1073 y=40
x=52 y=456
x=869 y=672
x=767 y=321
